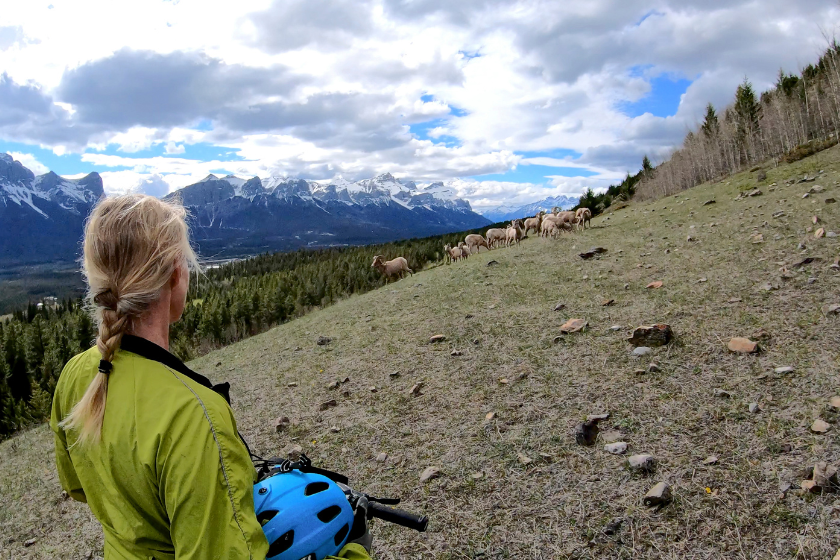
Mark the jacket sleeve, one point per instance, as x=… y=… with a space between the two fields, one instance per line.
x=351 y=552
x=66 y=471
x=207 y=484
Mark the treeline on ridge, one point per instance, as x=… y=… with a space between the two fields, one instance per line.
x=224 y=305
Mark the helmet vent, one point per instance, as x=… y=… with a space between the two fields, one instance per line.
x=282 y=544
x=265 y=516
x=342 y=533
x=328 y=514
x=315 y=487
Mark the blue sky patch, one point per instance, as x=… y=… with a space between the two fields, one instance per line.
x=421 y=132
x=537 y=174
x=662 y=100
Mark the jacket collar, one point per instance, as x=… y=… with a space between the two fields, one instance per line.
x=152 y=351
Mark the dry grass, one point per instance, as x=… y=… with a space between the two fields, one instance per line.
x=557 y=506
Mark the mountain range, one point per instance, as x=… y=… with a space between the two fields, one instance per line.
x=42 y=217
x=504 y=213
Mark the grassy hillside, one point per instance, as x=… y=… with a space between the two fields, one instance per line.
x=518 y=486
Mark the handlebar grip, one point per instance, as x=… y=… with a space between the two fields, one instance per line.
x=398 y=517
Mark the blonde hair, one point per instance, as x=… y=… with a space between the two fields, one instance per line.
x=133 y=244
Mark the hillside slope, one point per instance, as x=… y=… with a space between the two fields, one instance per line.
x=518 y=486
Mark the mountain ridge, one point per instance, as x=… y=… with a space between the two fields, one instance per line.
x=503 y=213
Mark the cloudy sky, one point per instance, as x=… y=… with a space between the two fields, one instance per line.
x=511 y=100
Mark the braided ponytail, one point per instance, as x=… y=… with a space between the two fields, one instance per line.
x=133 y=244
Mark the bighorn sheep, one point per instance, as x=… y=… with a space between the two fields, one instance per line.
x=396 y=267
x=465 y=251
x=495 y=236
x=475 y=242
x=452 y=253
x=582 y=216
x=534 y=223
x=514 y=233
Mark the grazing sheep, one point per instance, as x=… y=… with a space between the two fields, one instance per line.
x=568 y=217
x=514 y=233
x=465 y=251
x=475 y=242
x=452 y=253
x=396 y=267
x=495 y=236
x=534 y=223
x=549 y=228
x=582 y=216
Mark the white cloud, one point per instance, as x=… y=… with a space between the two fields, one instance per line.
x=510 y=82
x=29 y=161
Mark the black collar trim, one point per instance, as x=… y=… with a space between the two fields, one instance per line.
x=152 y=351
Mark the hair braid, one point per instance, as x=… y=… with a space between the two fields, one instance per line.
x=133 y=243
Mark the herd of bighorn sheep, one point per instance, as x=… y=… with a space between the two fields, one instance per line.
x=546 y=225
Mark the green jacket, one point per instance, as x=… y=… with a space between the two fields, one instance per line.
x=171 y=477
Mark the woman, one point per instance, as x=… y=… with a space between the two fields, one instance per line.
x=150 y=445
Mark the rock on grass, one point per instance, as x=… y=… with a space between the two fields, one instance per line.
x=642 y=463
x=659 y=495
x=741 y=345
x=820 y=426
x=659 y=334
x=429 y=473
x=573 y=326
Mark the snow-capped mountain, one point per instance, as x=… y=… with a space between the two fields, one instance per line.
x=42 y=218
x=232 y=214
x=503 y=213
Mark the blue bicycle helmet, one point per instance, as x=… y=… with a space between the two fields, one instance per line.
x=302 y=514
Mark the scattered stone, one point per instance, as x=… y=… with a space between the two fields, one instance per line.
x=456 y=353
x=503 y=380
x=490 y=416
x=587 y=432
x=281 y=424
x=757 y=238
x=607 y=302
x=654 y=368
x=382 y=457
x=394 y=374
x=218 y=364
x=820 y=426
x=784 y=369
x=742 y=345
x=831 y=309
x=654 y=285
x=373 y=389
x=292 y=384
x=573 y=326
x=29 y=542
x=524 y=459
x=834 y=402
x=613 y=526
x=476 y=341
x=768 y=287
x=708 y=202
x=335 y=429
x=294 y=452
x=721 y=393
x=559 y=307
x=831 y=234
x=642 y=351
x=415 y=389
x=641 y=464
x=734 y=300
x=437 y=338
x=819 y=233
x=477 y=475
x=806 y=195
x=779 y=214
x=830 y=201
x=492 y=263
x=429 y=473
x=617 y=448
x=334 y=385
x=659 y=334
x=816 y=189
x=468 y=316
x=689 y=238
x=626 y=286
x=753 y=408
x=615 y=328
x=639 y=372
x=822 y=478
x=323 y=340
x=659 y=495
x=328 y=404
x=815 y=220
x=710 y=460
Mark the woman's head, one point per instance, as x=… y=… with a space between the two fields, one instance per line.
x=135 y=245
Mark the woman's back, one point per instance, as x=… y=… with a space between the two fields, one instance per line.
x=169 y=450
